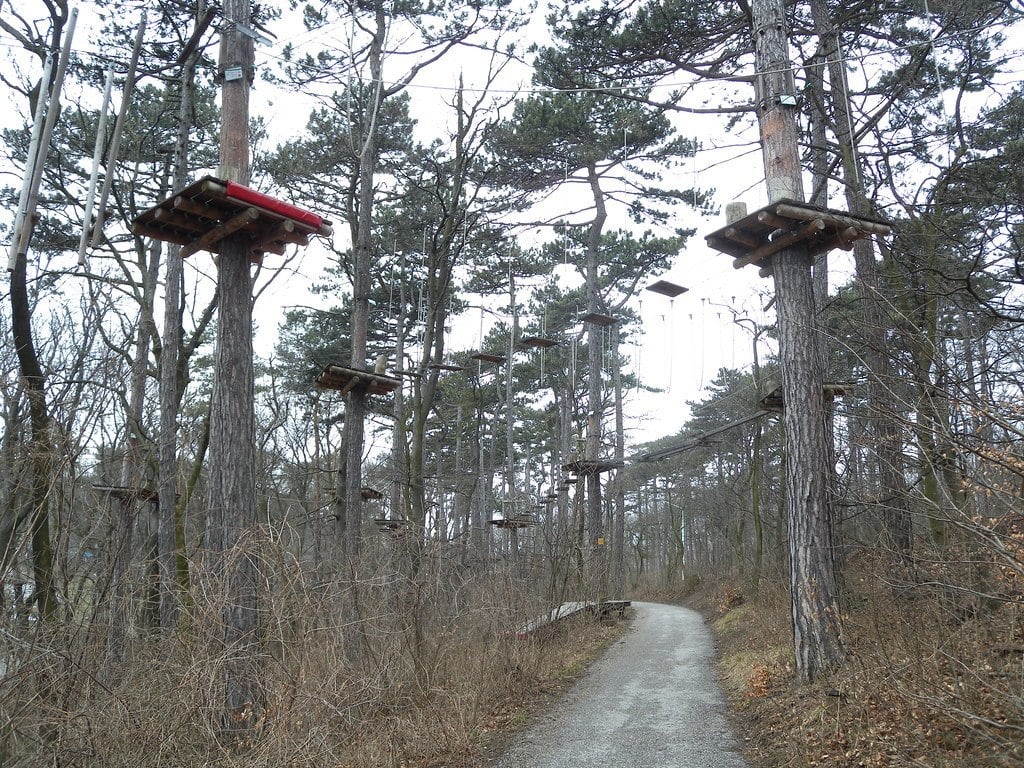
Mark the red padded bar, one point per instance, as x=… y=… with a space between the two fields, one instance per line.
x=252 y=197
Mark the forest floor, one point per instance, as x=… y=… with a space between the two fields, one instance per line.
x=923 y=685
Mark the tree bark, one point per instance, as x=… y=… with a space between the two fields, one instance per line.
x=231 y=495
x=595 y=511
x=817 y=635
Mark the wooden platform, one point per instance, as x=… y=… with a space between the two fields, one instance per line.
x=487 y=357
x=200 y=216
x=346 y=379
x=666 y=288
x=773 y=400
x=759 y=235
x=537 y=341
x=568 y=610
x=516 y=522
x=366 y=493
x=592 y=467
x=598 y=319
x=391 y=525
x=123 y=493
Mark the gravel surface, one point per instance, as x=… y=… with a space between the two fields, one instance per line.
x=651 y=701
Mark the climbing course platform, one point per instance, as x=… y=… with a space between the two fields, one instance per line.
x=199 y=217
x=784 y=223
x=346 y=379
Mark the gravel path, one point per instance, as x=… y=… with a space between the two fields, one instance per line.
x=652 y=701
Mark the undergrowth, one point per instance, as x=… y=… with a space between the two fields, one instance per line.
x=931 y=678
x=438 y=674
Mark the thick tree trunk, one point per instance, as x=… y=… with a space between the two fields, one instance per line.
x=817 y=633
x=619 y=515
x=817 y=636
x=231 y=494
x=595 y=510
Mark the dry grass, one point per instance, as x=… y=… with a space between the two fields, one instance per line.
x=437 y=678
x=933 y=678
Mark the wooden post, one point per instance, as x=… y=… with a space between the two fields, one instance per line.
x=817 y=636
x=231 y=505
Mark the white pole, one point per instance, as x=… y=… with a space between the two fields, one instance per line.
x=30 y=158
x=27 y=224
x=115 y=141
x=97 y=156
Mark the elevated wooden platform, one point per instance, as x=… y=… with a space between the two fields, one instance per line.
x=773 y=400
x=567 y=610
x=592 y=466
x=759 y=235
x=200 y=216
x=346 y=379
x=366 y=493
x=666 y=288
x=537 y=341
x=516 y=522
x=123 y=493
x=391 y=525
x=598 y=319
x=487 y=357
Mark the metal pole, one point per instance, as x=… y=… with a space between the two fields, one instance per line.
x=97 y=157
x=115 y=141
x=27 y=224
x=30 y=159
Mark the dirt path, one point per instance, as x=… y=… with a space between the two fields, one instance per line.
x=651 y=701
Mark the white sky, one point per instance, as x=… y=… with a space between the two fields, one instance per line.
x=682 y=342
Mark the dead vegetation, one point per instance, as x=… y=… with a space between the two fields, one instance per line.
x=933 y=676
x=437 y=682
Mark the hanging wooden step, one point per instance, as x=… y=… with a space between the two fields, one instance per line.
x=773 y=400
x=200 y=216
x=666 y=288
x=391 y=525
x=596 y=318
x=592 y=466
x=446 y=367
x=123 y=493
x=346 y=379
x=752 y=239
x=487 y=357
x=524 y=520
x=537 y=341
x=366 y=493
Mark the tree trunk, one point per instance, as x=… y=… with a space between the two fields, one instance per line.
x=881 y=403
x=595 y=511
x=817 y=633
x=619 y=524
x=231 y=494
x=168 y=554
x=817 y=636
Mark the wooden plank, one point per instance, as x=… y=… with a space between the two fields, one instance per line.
x=196 y=209
x=743 y=237
x=726 y=246
x=171 y=218
x=218 y=233
x=835 y=219
x=808 y=230
x=156 y=233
